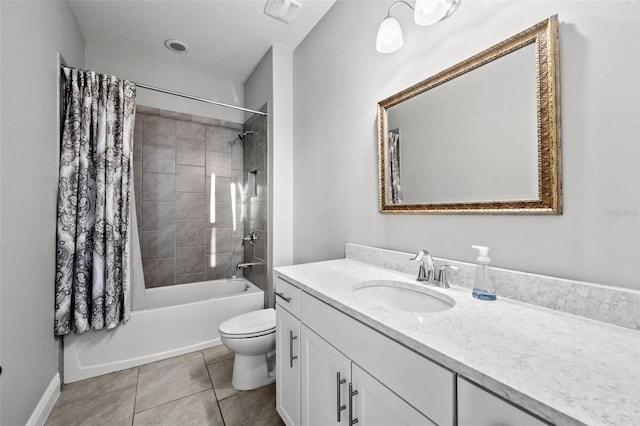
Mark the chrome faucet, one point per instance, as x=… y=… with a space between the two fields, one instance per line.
x=427 y=273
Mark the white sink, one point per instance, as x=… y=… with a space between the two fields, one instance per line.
x=401 y=296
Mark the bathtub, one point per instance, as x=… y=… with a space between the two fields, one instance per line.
x=178 y=319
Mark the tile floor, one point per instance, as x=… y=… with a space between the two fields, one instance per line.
x=192 y=389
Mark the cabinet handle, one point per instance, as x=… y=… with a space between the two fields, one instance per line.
x=339 y=382
x=291 y=356
x=352 y=393
x=282 y=296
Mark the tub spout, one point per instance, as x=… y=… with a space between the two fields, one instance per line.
x=248 y=265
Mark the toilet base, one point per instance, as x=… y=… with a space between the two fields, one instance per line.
x=250 y=372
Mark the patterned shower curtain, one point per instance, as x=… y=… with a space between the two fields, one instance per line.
x=93 y=202
x=394 y=166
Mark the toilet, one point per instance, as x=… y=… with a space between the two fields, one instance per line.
x=251 y=337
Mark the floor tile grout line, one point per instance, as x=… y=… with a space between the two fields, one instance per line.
x=175 y=400
x=171 y=365
x=213 y=388
x=135 y=396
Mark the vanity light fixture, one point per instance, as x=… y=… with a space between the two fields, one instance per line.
x=425 y=12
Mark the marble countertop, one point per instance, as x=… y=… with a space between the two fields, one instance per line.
x=568 y=370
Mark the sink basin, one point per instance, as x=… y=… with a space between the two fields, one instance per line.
x=402 y=296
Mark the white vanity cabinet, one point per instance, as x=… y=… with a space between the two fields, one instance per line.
x=287 y=352
x=346 y=368
x=325 y=376
x=477 y=407
x=375 y=404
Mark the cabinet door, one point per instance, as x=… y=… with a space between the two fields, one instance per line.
x=325 y=380
x=375 y=404
x=287 y=367
x=477 y=407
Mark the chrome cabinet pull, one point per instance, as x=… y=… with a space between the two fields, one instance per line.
x=291 y=356
x=283 y=297
x=339 y=407
x=352 y=393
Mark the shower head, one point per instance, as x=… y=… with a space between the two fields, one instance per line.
x=248 y=132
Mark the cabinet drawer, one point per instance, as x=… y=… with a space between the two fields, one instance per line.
x=287 y=295
x=477 y=407
x=422 y=383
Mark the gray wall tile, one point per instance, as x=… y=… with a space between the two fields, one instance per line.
x=223 y=217
x=189 y=260
x=185 y=129
x=205 y=120
x=185 y=143
x=190 y=206
x=190 y=157
x=190 y=233
x=190 y=278
x=159 y=159
x=220 y=138
x=223 y=190
x=218 y=266
x=261 y=245
x=158 y=130
x=158 y=216
x=159 y=272
x=260 y=219
x=261 y=157
x=175 y=155
x=261 y=183
x=158 y=244
x=189 y=179
x=219 y=240
x=237 y=156
x=218 y=163
x=158 y=187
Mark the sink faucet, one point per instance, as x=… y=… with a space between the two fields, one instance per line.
x=427 y=274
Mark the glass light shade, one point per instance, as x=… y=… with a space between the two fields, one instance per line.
x=427 y=12
x=389 y=37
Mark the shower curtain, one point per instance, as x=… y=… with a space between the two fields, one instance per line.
x=93 y=202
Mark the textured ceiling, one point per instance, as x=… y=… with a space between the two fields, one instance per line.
x=225 y=37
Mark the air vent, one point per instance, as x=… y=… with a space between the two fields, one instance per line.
x=176 y=46
x=283 y=10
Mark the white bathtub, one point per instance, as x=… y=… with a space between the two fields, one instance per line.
x=178 y=319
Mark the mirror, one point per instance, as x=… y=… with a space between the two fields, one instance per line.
x=479 y=137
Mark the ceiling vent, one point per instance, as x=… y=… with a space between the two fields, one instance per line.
x=176 y=46
x=283 y=10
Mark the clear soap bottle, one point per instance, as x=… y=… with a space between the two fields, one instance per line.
x=483 y=287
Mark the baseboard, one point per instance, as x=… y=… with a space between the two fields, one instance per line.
x=46 y=403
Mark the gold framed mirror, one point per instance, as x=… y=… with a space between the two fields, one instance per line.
x=482 y=136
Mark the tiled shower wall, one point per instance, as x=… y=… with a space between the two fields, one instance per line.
x=174 y=157
x=257 y=217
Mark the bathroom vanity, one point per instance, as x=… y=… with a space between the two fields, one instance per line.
x=345 y=357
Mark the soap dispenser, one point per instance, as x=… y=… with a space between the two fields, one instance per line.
x=483 y=288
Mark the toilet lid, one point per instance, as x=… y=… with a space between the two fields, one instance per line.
x=250 y=323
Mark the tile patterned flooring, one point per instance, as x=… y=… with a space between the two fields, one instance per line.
x=192 y=389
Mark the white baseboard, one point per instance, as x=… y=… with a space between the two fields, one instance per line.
x=46 y=403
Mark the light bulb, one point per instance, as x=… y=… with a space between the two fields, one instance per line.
x=389 y=37
x=429 y=12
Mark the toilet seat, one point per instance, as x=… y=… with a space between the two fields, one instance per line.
x=251 y=324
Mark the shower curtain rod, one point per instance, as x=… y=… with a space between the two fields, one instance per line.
x=195 y=98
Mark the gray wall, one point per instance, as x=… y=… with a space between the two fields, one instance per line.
x=272 y=83
x=32 y=35
x=339 y=78
x=174 y=156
